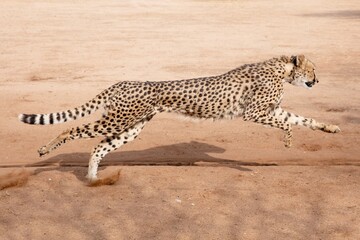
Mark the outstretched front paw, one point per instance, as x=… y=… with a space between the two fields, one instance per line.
x=331 y=128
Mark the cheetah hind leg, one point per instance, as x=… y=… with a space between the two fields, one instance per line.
x=90 y=130
x=107 y=145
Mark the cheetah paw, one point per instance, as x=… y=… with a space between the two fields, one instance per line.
x=331 y=129
x=288 y=143
x=111 y=179
x=43 y=150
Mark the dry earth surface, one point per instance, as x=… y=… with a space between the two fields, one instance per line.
x=179 y=179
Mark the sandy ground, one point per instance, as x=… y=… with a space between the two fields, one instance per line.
x=179 y=179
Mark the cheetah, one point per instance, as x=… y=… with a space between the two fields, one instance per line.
x=251 y=91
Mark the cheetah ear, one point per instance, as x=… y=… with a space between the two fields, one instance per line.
x=298 y=60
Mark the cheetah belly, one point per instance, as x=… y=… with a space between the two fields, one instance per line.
x=214 y=110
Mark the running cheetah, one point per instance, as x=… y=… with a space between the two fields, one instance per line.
x=252 y=91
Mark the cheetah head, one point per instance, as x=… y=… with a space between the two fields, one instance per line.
x=303 y=72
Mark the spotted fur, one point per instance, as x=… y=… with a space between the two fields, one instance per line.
x=252 y=91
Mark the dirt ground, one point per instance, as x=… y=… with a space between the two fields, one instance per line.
x=179 y=179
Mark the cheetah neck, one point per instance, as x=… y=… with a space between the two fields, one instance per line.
x=289 y=72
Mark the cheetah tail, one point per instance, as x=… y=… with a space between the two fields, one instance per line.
x=64 y=116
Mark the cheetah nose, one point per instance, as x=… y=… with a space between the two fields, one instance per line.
x=309 y=84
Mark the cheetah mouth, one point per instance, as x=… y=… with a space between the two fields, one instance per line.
x=310 y=84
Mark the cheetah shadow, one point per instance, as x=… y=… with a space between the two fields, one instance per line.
x=181 y=154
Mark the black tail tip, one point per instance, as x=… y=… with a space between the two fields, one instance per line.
x=27 y=118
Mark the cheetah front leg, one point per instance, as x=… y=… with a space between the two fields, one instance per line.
x=302 y=121
x=259 y=113
x=256 y=114
x=273 y=122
